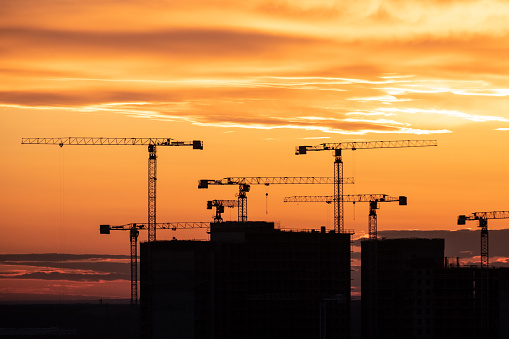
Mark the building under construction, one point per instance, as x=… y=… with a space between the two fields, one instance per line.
x=410 y=290
x=249 y=281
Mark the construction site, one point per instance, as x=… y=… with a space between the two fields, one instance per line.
x=256 y=279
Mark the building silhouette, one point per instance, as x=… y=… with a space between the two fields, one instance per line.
x=249 y=281
x=410 y=290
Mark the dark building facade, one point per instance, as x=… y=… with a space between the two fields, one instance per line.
x=410 y=292
x=389 y=303
x=249 y=281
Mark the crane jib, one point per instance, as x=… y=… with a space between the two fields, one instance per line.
x=365 y=145
x=196 y=144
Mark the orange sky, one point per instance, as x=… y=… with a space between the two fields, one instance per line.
x=252 y=79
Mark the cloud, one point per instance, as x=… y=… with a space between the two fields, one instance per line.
x=84 y=276
x=71 y=267
x=193 y=44
x=390 y=19
x=373 y=17
x=197 y=115
x=101 y=266
x=356 y=67
x=59 y=257
x=256 y=102
x=454 y=114
x=383 y=99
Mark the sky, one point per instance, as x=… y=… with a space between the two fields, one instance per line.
x=253 y=80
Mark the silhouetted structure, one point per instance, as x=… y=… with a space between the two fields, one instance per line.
x=79 y=320
x=249 y=281
x=338 y=165
x=417 y=296
x=245 y=183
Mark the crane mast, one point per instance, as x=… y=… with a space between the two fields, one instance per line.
x=245 y=183
x=152 y=180
x=339 y=209
x=339 y=225
x=134 y=231
x=152 y=144
x=482 y=218
x=133 y=236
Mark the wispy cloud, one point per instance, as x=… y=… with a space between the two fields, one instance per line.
x=453 y=114
x=65 y=267
x=383 y=99
x=260 y=64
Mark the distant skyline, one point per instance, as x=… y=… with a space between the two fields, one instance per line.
x=253 y=80
x=63 y=277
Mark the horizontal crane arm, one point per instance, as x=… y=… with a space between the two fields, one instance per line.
x=197 y=144
x=491 y=215
x=182 y=225
x=270 y=181
x=483 y=215
x=366 y=145
x=348 y=198
x=281 y=180
x=105 y=229
x=315 y=198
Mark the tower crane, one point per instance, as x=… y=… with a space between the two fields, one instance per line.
x=152 y=144
x=219 y=205
x=245 y=183
x=134 y=230
x=483 y=217
x=373 y=199
x=338 y=165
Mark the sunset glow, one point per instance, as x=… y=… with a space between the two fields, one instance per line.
x=252 y=79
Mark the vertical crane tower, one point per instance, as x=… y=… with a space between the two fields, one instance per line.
x=134 y=231
x=338 y=165
x=152 y=144
x=483 y=217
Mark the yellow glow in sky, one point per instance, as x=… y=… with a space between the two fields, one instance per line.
x=252 y=79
